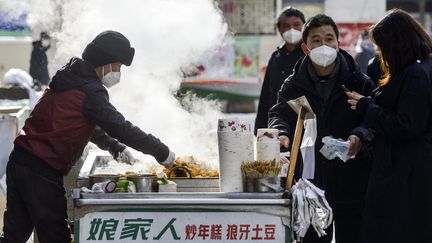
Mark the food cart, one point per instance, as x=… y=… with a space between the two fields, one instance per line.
x=179 y=216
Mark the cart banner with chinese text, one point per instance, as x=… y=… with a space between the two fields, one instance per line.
x=168 y=227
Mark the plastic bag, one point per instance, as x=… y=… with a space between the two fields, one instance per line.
x=333 y=148
x=309 y=207
x=124 y=185
x=307 y=148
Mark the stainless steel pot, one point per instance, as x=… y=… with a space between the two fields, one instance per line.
x=102 y=178
x=144 y=182
x=262 y=184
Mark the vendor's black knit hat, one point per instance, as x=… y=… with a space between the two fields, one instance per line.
x=109 y=47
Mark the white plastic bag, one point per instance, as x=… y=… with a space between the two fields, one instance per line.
x=333 y=148
x=307 y=148
x=309 y=207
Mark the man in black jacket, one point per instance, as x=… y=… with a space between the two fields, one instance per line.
x=319 y=77
x=54 y=136
x=281 y=63
x=39 y=60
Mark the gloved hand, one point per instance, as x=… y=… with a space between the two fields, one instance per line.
x=169 y=161
x=126 y=156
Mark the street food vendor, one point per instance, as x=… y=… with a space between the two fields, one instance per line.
x=58 y=129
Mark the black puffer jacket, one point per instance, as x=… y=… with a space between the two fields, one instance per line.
x=344 y=183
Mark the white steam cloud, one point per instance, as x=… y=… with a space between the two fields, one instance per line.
x=167 y=35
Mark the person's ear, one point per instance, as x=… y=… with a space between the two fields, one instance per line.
x=305 y=49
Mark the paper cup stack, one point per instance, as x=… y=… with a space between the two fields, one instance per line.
x=267 y=145
x=235 y=140
x=247 y=138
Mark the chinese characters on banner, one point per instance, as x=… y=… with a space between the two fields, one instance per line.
x=180 y=227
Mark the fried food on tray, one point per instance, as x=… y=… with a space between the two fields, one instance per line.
x=197 y=168
x=129 y=173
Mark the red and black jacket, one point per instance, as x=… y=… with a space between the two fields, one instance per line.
x=65 y=118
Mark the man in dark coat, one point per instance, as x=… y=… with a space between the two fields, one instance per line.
x=281 y=63
x=39 y=60
x=55 y=134
x=319 y=77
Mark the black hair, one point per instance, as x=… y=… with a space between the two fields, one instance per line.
x=318 y=21
x=290 y=11
x=401 y=41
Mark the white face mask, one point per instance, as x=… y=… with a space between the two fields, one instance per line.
x=292 y=36
x=323 y=56
x=110 y=79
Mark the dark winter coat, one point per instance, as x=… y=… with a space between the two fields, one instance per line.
x=280 y=66
x=399 y=200
x=344 y=183
x=64 y=120
x=362 y=58
x=39 y=63
x=374 y=69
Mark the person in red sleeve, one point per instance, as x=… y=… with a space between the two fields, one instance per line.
x=74 y=110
